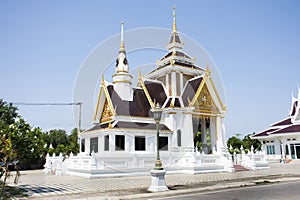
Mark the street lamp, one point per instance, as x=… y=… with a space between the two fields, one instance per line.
x=157 y=111
x=158 y=183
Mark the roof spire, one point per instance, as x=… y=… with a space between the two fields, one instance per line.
x=174 y=20
x=175 y=41
x=122 y=45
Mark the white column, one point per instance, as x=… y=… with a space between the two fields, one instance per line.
x=212 y=127
x=101 y=143
x=181 y=83
x=219 y=129
x=204 y=136
x=187 y=139
x=167 y=83
x=112 y=143
x=289 y=155
x=87 y=145
x=282 y=150
x=173 y=83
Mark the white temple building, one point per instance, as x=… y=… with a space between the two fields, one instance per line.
x=123 y=138
x=281 y=141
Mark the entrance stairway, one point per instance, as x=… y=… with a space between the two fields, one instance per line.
x=240 y=168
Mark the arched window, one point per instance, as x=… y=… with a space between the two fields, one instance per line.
x=179 y=137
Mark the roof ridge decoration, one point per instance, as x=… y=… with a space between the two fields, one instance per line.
x=224 y=107
x=98 y=100
x=107 y=102
x=174 y=20
x=175 y=41
x=207 y=74
x=202 y=85
x=122 y=62
x=122 y=44
x=140 y=79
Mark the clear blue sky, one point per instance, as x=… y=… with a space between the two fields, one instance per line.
x=255 y=45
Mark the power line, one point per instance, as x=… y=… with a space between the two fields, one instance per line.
x=55 y=104
x=47 y=104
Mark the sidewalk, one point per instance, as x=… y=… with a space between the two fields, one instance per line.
x=44 y=186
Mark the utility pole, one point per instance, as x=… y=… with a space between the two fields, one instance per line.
x=79 y=117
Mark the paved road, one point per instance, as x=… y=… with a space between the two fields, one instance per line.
x=277 y=191
x=48 y=187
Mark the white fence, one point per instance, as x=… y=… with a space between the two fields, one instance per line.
x=125 y=163
x=251 y=160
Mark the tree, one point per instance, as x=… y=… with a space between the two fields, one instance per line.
x=61 y=142
x=8 y=113
x=235 y=143
x=56 y=137
x=28 y=144
x=6 y=159
x=246 y=142
x=73 y=142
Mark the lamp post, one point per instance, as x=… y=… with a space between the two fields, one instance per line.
x=158 y=183
x=157 y=116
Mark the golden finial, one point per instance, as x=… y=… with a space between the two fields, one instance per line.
x=174 y=20
x=109 y=125
x=102 y=79
x=122 y=45
x=224 y=107
x=207 y=70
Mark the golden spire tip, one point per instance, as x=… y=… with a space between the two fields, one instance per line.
x=174 y=19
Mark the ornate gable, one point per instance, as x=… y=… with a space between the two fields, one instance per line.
x=107 y=113
x=205 y=103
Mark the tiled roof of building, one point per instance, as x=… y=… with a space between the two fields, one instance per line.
x=138 y=125
x=289 y=129
x=130 y=125
x=177 y=53
x=283 y=122
x=156 y=91
x=138 y=107
x=190 y=90
x=98 y=126
x=265 y=133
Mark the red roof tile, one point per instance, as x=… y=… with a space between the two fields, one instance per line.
x=290 y=129
x=265 y=133
x=283 y=122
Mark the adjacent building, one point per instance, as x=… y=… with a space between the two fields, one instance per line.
x=281 y=141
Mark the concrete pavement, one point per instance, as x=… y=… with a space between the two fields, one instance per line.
x=44 y=186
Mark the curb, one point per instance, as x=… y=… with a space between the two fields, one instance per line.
x=185 y=189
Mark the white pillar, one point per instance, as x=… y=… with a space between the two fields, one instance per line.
x=282 y=151
x=167 y=84
x=212 y=128
x=181 y=83
x=112 y=143
x=187 y=139
x=101 y=143
x=221 y=145
x=204 y=136
x=174 y=93
x=87 y=145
